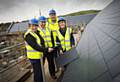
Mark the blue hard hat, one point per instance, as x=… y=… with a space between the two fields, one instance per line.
x=42 y=19
x=33 y=21
x=52 y=11
x=61 y=19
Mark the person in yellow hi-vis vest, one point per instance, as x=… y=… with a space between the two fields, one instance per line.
x=35 y=49
x=52 y=23
x=65 y=33
x=47 y=36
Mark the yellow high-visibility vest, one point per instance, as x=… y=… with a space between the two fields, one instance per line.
x=53 y=27
x=32 y=53
x=65 y=41
x=46 y=36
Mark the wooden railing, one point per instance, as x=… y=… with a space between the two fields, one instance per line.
x=13 y=63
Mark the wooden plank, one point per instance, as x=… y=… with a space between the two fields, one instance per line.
x=22 y=76
x=14 y=74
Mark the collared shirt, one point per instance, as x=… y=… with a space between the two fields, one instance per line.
x=63 y=31
x=43 y=29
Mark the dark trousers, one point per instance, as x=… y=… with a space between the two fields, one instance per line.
x=51 y=64
x=37 y=70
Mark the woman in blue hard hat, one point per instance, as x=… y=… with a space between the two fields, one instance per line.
x=34 y=49
x=65 y=33
x=47 y=36
x=64 y=37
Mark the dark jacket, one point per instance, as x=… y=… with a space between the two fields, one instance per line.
x=63 y=31
x=31 y=40
x=33 y=43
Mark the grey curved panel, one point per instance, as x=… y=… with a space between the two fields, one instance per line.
x=22 y=26
x=76 y=20
x=99 y=49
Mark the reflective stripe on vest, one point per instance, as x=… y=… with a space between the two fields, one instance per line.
x=32 y=53
x=46 y=36
x=67 y=39
x=66 y=42
x=54 y=28
x=61 y=38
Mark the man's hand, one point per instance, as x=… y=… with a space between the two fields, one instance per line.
x=50 y=49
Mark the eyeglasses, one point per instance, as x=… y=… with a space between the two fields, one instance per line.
x=43 y=21
x=35 y=25
x=52 y=14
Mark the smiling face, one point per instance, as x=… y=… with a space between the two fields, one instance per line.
x=53 y=17
x=42 y=24
x=33 y=27
x=62 y=24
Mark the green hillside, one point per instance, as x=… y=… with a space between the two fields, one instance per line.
x=83 y=13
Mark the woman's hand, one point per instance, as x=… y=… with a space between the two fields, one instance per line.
x=50 y=49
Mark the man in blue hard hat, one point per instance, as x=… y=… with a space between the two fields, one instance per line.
x=34 y=49
x=52 y=24
x=47 y=37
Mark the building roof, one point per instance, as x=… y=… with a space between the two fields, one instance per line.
x=77 y=20
x=22 y=26
x=98 y=49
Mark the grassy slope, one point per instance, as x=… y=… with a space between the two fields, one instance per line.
x=83 y=12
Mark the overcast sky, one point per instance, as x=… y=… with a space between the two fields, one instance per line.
x=12 y=10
